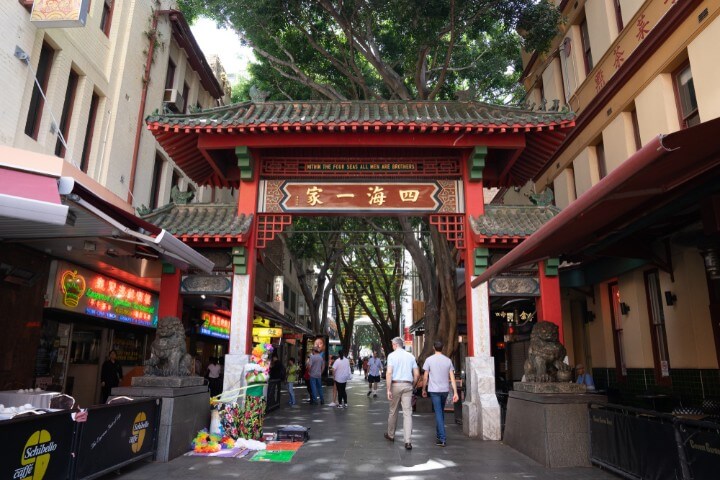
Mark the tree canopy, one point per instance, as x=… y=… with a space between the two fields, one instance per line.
x=385 y=49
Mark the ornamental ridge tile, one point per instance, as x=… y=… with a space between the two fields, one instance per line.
x=510 y=220
x=375 y=112
x=200 y=219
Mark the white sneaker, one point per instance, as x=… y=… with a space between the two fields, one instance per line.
x=332 y=404
x=345 y=405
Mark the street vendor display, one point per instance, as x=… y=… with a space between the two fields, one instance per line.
x=256 y=376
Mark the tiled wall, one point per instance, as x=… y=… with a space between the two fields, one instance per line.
x=689 y=387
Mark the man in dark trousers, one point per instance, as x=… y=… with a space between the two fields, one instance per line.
x=110 y=375
x=439 y=375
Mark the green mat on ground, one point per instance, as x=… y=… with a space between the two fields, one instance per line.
x=281 y=456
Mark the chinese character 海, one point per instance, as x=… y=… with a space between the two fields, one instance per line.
x=409 y=195
x=313 y=196
x=377 y=195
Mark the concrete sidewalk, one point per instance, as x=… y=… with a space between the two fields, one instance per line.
x=348 y=444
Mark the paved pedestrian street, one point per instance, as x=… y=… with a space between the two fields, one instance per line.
x=348 y=444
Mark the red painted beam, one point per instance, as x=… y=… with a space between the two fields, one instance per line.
x=314 y=139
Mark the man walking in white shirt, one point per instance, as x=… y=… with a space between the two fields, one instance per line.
x=439 y=375
x=401 y=377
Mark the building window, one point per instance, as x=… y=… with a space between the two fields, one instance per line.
x=106 y=18
x=89 y=133
x=170 y=77
x=156 y=178
x=66 y=113
x=185 y=94
x=601 y=163
x=685 y=94
x=585 y=38
x=617 y=325
x=37 y=102
x=618 y=15
x=661 y=356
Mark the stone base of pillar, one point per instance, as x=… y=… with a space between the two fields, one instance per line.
x=481 y=411
x=233 y=371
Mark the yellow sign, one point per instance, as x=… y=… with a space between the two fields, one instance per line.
x=59 y=13
x=36 y=456
x=261 y=322
x=139 y=427
x=267 y=332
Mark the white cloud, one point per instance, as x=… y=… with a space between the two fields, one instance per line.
x=224 y=43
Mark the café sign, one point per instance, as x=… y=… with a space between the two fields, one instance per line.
x=60 y=13
x=79 y=290
x=360 y=197
x=267 y=332
x=215 y=325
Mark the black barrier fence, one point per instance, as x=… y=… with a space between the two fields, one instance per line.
x=115 y=435
x=645 y=444
x=52 y=445
x=273 y=395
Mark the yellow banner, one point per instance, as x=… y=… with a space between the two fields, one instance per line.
x=267 y=332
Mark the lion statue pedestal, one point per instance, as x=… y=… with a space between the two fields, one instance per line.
x=185 y=399
x=547 y=414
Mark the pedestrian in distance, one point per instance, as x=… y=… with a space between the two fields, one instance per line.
x=365 y=367
x=401 y=377
x=213 y=375
x=335 y=393
x=341 y=375
x=316 y=368
x=439 y=376
x=373 y=376
x=110 y=375
x=292 y=377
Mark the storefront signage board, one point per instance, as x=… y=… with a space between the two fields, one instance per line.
x=267 y=332
x=215 y=325
x=63 y=14
x=76 y=289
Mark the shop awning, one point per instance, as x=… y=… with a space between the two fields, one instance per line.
x=269 y=312
x=31 y=196
x=668 y=174
x=124 y=223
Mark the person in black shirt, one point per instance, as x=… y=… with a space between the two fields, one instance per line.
x=110 y=375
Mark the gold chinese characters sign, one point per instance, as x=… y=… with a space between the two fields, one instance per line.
x=360 y=197
x=59 y=13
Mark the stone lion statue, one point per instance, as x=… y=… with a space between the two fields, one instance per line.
x=546 y=354
x=168 y=355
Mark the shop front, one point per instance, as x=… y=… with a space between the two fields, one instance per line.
x=87 y=315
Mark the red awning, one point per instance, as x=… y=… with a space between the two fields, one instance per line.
x=31 y=196
x=661 y=172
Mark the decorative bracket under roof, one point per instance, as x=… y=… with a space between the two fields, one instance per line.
x=245 y=162
x=452 y=226
x=476 y=163
x=269 y=225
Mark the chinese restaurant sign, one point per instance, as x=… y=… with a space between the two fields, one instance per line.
x=215 y=325
x=360 y=197
x=78 y=290
x=59 y=13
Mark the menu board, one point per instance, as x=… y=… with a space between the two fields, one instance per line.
x=79 y=290
x=215 y=325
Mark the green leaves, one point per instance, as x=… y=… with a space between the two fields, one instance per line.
x=394 y=49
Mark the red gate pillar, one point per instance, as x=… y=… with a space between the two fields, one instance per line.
x=481 y=411
x=243 y=285
x=170 y=298
x=548 y=305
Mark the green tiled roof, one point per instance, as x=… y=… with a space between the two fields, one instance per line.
x=200 y=219
x=379 y=112
x=512 y=221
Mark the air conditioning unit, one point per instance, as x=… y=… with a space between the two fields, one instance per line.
x=173 y=100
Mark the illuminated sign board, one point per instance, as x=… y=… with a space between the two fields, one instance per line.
x=59 y=13
x=267 y=332
x=215 y=325
x=78 y=290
